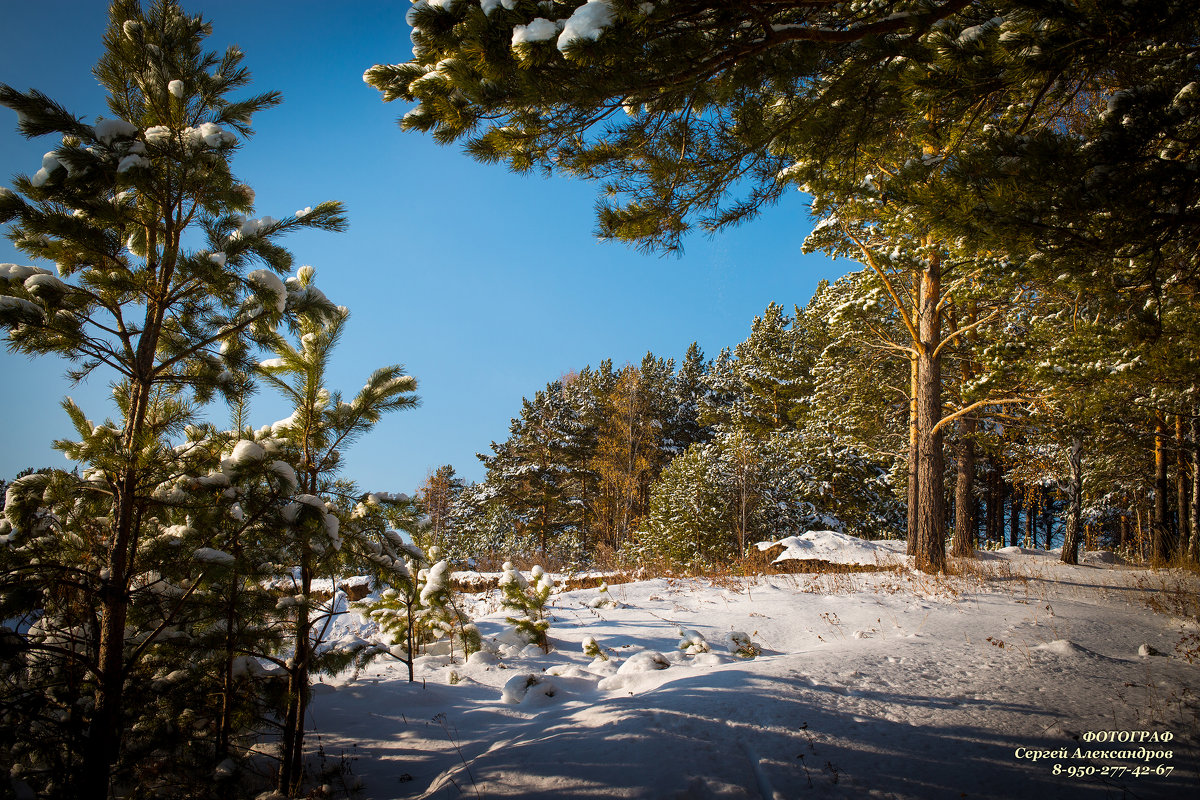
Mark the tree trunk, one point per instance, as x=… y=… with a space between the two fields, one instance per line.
x=1194 y=541
x=225 y=725
x=1182 y=489
x=931 y=496
x=963 y=544
x=1014 y=519
x=1031 y=515
x=1070 y=550
x=1160 y=534
x=291 y=764
x=106 y=729
x=913 y=457
x=1048 y=521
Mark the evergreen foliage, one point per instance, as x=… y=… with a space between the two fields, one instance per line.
x=162 y=595
x=527 y=598
x=1010 y=140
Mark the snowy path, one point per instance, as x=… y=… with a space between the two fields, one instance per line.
x=872 y=685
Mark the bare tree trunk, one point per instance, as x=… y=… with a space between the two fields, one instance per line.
x=963 y=544
x=931 y=496
x=1070 y=550
x=1048 y=520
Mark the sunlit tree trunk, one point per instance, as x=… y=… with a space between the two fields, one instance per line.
x=931 y=499
x=1070 y=550
x=963 y=544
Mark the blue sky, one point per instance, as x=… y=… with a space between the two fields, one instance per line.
x=484 y=284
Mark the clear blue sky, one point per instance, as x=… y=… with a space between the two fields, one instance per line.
x=484 y=284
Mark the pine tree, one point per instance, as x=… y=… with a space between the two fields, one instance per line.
x=1057 y=134
x=116 y=205
x=441 y=488
x=320 y=426
x=627 y=453
x=532 y=473
x=684 y=428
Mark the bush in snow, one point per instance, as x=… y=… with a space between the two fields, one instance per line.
x=528 y=599
x=527 y=686
x=602 y=599
x=741 y=645
x=438 y=615
x=691 y=642
x=721 y=496
x=592 y=649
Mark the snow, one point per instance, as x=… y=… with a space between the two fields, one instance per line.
x=588 y=22
x=269 y=282
x=208 y=134
x=245 y=451
x=157 y=134
x=884 y=684
x=109 y=130
x=285 y=472
x=208 y=555
x=539 y=29
x=837 y=548
x=132 y=161
x=20 y=272
x=175 y=88
x=22 y=305
x=42 y=281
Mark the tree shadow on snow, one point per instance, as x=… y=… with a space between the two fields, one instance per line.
x=728 y=733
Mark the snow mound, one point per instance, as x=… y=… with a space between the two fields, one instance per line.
x=834 y=547
x=645 y=661
x=528 y=689
x=1063 y=647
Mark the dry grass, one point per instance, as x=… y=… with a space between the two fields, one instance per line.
x=1171 y=592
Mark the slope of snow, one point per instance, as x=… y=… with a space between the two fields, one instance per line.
x=887 y=684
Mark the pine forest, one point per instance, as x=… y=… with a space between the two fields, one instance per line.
x=930 y=529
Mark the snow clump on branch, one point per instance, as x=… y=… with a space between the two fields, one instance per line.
x=588 y=22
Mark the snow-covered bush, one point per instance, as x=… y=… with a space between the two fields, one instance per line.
x=438 y=616
x=691 y=642
x=592 y=649
x=527 y=597
x=603 y=598
x=741 y=645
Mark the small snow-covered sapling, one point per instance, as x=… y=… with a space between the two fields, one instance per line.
x=603 y=599
x=691 y=642
x=592 y=649
x=528 y=598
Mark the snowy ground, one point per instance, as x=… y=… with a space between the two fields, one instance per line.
x=882 y=684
